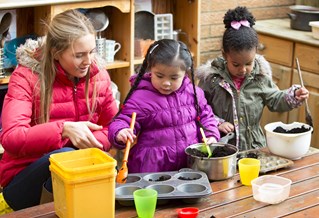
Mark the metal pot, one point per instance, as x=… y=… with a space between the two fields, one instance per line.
x=216 y=168
x=301 y=16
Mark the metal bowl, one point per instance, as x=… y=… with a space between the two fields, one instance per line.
x=216 y=168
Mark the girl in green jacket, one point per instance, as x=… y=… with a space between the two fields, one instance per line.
x=239 y=85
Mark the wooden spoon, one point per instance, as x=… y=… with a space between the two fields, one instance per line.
x=123 y=172
x=308 y=114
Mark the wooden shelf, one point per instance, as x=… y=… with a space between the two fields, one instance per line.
x=138 y=61
x=121 y=14
x=117 y=64
x=5 y=80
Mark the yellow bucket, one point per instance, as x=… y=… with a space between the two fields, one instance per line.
x=83 y=183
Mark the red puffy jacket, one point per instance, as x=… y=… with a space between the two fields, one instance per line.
x=25 y=141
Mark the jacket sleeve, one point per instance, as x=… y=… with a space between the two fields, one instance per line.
x=207 y=116
x=18 y=137
x=108 y=111
x=278 y=100
x=123 y=121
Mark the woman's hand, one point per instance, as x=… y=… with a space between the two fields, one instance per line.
x=81 y=135
x=301 y=94
x=124 y=135
x=226 y=127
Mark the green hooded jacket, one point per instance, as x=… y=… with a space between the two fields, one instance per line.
x=243 y=108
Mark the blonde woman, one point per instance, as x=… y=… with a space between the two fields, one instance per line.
x=59 y=99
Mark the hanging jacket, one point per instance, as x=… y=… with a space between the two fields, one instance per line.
x=23 y=139
x=165 y=126
x=243 y=108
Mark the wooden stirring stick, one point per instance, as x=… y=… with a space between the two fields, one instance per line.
x=123 y=172
x=308 y=114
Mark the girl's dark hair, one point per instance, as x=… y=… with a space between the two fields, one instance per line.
x=245 y=38
x=167 y=52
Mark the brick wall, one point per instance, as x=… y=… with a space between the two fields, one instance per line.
x=213 y=11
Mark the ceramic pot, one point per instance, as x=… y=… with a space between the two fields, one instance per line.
x=289 y=145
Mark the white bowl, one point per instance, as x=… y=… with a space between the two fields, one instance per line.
x=271 y=189
x=289 y=145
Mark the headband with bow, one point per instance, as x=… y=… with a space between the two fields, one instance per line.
x=237 y=24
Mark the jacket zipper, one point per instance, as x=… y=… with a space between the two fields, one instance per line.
x=75 y=102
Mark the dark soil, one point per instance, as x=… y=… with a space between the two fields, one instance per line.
x=217 y=152
x=222 y=151
x=252 y=155
x=197 y=153
x=186 y=178
x=301 y=129
x=161 y=178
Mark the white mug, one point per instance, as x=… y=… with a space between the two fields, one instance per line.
x=110 y=48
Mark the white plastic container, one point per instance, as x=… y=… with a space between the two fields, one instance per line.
x=289 y=145
x=163 y=26
x=315 y=28
x=271 y=189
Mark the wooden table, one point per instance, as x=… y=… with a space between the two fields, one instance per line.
x=231 y=199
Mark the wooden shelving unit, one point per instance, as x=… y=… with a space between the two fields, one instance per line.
x=31 y=13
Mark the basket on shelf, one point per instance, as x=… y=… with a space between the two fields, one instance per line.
x=141 y=46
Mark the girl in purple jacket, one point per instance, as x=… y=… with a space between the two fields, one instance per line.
x=170 y=110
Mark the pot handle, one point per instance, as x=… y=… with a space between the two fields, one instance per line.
x=291 y=16
x=227 y=137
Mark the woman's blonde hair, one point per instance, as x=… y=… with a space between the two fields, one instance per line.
x=62 y=31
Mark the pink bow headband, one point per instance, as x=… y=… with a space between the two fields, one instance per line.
x=237 y=24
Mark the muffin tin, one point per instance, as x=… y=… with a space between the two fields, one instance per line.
x=268 y=162
x=187 y=185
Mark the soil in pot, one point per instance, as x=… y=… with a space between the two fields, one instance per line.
x=221 y=151
x=301 y=129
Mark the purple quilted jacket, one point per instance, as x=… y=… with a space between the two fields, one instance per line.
x=165 y=126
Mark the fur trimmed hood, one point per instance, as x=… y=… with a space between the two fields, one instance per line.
x=29 y=53
x=217 y=65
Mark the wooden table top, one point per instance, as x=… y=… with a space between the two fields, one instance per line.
x=231 y=199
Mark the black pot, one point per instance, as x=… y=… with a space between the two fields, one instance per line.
x=301 y=16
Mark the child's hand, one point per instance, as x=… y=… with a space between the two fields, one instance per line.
x=301 y=94
x=124 y=135
x=211 y=140
x=226 y=127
